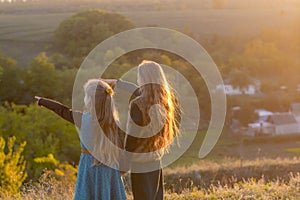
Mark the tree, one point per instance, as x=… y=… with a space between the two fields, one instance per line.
x=240 y=79
x=80 y=33
x=12 y=165
x=1 y=72
x=44 y=132
x=67 y=78
x=269 y=87
x=11 y=80
x=42 y=79
x=59 y=60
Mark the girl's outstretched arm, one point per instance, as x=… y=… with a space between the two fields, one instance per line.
x=63 y=111
x=124 y=85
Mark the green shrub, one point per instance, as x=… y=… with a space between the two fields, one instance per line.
x=12 y=165
x=44 y=132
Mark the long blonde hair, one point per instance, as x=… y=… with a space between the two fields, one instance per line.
x=155 y=89
x=100 y=104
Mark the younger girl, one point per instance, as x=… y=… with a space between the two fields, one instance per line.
x=94 y=179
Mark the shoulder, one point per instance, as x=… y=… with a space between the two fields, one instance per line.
x=86 y=117
x=86 y=122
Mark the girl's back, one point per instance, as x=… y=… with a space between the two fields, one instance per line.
x=95 y=181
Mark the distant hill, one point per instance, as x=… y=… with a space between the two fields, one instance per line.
x=27 y=28
x=13 y=6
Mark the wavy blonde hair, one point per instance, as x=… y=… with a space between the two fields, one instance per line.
x=100 y=104
x=155 y=89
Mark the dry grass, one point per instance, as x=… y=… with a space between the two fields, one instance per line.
x=203 y=174
x=250 y=189
x=226 y=179
x=48 y=188
x=230 y=163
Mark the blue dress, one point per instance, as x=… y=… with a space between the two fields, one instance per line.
x=96 y=182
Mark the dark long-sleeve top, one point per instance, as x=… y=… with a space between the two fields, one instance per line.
x=134 y=144
x=69 y=114
x=73 y=116
x=62 y=110
x=136 y=116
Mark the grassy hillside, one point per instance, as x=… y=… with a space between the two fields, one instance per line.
x=183 y=184
x=24 y=35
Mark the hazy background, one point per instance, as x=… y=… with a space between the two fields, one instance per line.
x=255 y=44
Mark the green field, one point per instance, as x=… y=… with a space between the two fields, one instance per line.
x=24 y=35
x=233 y=22
x=224 y=22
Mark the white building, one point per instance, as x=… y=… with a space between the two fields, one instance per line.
x=230 y=90
x=284 y=124
x=263 y=114
x=275 y=124
x=250 y=89
x=260 y=128
x=295 y=110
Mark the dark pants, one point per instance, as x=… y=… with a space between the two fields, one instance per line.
x=147 y=186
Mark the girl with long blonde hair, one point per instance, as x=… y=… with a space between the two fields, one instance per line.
x=156 y=108
x=99 y=136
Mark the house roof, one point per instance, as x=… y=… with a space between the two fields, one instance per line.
x=282 y=118
x=262 y=112
x=295 y=108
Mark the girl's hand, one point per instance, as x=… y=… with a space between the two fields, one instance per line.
x=111 y=82
x=37 y=97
